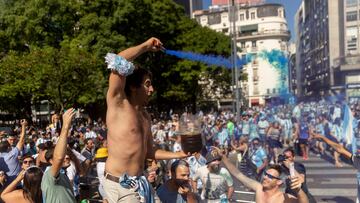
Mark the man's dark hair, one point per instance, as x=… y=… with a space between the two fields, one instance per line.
x=4 y=146
x=49 y=154
x=175 y=165
x=290 y=149
x=276 y=167
x=256 y=139
x=86 y=141
x=27 y=156
x=136 y=79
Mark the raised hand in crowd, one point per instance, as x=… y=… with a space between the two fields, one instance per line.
x=21 y=142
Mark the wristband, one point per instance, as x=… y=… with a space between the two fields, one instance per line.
x=119 y=64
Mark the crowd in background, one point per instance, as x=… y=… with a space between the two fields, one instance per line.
x=262 y=137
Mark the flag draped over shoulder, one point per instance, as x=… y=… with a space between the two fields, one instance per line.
x=348 y=128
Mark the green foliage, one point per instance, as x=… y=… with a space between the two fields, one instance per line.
x=54 y=49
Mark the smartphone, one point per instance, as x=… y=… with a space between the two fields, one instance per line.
x=292 y=170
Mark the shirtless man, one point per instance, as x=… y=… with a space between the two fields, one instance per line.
x=129 y=137
x=269 y=190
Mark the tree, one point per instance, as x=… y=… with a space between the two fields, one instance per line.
x=55 y=50
x=64 y=77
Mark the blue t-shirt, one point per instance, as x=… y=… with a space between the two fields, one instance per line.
x=304 y=131
x=9 y=163
x=167 y=196
x=258 y=157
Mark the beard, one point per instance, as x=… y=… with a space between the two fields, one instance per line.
x=215 y=168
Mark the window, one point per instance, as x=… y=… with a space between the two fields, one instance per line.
x=351 y=16
x=252 y=15
x=242 y=17
x=214 y=19
x=225 y=30
x=253 y=43
x=350 y=3
x=267 y=91
x=274 y=90
x=242 y=45
x=351 y=38
x=256 y=89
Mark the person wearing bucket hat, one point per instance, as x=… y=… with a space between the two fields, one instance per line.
x=217 y=183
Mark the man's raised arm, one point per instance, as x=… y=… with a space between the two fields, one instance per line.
x=21 y=142
x=121 y=66
x=248 y=182
x=60 y=148
x=338 y=147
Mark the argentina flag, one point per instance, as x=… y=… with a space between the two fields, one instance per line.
x=348 y=129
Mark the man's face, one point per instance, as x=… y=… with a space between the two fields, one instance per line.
x=66 y=162
x=214 y=166
x=288 y=156
x=27 y=162
x=145 y=90
x=90 y=144
x=12 y=140
x=271 y=179
x=182 y=175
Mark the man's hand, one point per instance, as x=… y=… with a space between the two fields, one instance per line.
x=2 y=178
x=153 y=44
x=287 y=163
x=183 y=190
x=152 y=176
x=67 y=117
x=182 y=154
x=23 y=122
x=295 y=183
x=220 y=152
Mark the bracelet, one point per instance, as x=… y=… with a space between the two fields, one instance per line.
x=119 y=64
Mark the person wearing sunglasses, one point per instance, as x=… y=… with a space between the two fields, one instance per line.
x=27 y=161
x=269 y=189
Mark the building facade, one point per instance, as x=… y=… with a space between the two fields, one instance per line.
x=226 y=2
x=327 y=46
x=260 y=30
x=190 y=5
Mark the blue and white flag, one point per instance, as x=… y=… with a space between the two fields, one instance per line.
x=348 y=129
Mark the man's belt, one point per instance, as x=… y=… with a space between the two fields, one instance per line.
x=111 y=177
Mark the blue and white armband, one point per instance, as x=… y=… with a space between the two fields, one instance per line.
x=119 y=64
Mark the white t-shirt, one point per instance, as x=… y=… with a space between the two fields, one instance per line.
x=160 y=136
x=214 y=185
x=177 y=147
x=90 y=134
x=262 y=125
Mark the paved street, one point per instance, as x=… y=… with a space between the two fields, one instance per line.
x=326 y=183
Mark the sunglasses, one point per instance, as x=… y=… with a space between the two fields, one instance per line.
x=271 y=176
x=28 y=162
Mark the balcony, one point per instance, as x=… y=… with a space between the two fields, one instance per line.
x=348 y=63
x=264 y=34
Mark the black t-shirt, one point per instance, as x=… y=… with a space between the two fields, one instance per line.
x=300 y=168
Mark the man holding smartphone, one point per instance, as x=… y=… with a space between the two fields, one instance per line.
x=288 y=164
x=269 y=189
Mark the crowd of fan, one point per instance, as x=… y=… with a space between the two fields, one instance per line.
x=264 y=138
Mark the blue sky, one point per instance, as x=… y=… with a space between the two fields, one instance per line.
x=291 y=7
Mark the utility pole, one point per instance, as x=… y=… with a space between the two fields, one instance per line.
x=233 y=16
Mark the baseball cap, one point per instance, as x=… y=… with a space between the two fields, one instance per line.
x=212 y=156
